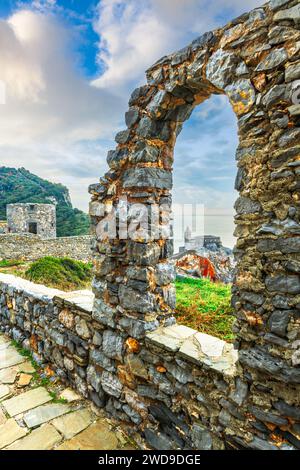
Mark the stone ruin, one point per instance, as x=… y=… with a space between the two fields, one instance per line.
x=36 y=219
x=30 y=234
x=254 y=61
x=178 y=388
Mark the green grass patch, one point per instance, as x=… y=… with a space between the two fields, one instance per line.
x=4 y=263
x=205 y=306
x=25 y=353
x=38 y=377
x=60 y=273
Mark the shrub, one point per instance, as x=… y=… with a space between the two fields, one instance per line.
x=61 y=273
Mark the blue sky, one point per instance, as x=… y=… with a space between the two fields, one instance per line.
x=69 y=67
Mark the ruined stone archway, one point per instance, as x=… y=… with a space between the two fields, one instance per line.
x=254 y=60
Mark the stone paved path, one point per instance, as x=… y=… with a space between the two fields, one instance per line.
x=35 y=417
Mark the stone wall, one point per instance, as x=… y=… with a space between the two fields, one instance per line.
x=179 y=388
x=24 y=218
x=31 y=247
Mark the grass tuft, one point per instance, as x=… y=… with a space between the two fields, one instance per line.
x=5 y=263
x=205 y=306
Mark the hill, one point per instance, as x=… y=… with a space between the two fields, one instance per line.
x=19 y=185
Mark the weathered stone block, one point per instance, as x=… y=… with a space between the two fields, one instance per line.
x=258 y=358
x=116 y=158
x=279 y=321
x=147 y=178
x=145 y=154
x=165 y=273
x=268 y=417
x=136 y=301
x=221 y=68
x=287 y=410
x=292 y=72
x=272 y=60
x=112 y=345
x=122 y=137
x=201 y=438
x=99 y=358
x=288 y=14
x=241 y=95
x=132 y=116
x=245 y=205
x=276 y=4
x=240 y=393
x=144 y=254
x=138 y=93
x=111 y=384
x=283 y=283
x=103 y=313
x=149 y=128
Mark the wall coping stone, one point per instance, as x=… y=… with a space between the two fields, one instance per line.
x=6 y=236
x=199 y=348
x=81 y=300
x=37 y=290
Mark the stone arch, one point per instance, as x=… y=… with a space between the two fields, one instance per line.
x=254 y=60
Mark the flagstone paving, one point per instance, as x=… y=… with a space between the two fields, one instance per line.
x=2 y=417
x=73 y=423
x=51 y=417
x=4 y=390
x=43 y=438
x=9 y=357
x=8 y=376
x=26 y=401
x=45 y=413
x=10 y=432
x=96 y=436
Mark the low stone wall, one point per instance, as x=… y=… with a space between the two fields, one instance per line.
x=181 y=389
x=32 y=247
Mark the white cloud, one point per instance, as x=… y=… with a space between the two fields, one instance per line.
x=58 y=125
x=47 y=98
x=135 y=33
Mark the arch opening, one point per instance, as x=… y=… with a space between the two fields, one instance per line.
x=204 y=173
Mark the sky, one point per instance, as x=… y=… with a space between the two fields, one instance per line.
x=69 y=67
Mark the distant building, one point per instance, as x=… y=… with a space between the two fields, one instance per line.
x=37 y=219
x=206 y=241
